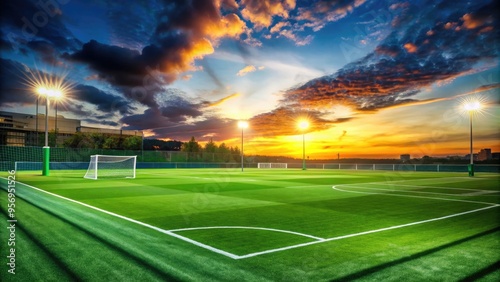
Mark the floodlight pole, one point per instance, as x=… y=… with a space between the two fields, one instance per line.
x=55 y=128
x=471 y=165
x=36 y=123
x=46 y=148
x=303 y=151
x=242 y=154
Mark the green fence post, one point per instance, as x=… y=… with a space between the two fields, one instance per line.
x=46 y=161
x=470 y=168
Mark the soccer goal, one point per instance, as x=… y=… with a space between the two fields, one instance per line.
x=272 y=165
x=111 y=166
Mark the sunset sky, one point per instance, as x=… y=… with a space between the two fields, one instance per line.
x=374 y=78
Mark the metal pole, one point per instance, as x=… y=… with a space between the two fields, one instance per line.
x=242 y=149
x=36 y=122
x=471 y=149
x=304 y=151
x=55 y=127
x=47 y=121
x=46 y=148
x=471 y=165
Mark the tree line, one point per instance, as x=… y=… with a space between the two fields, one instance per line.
x=103 y=141
x=123 y=142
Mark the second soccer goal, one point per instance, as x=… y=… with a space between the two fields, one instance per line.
x=272 y=165
x=104 y=166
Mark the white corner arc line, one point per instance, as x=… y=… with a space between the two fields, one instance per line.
x=248 y=227
x=227 y=254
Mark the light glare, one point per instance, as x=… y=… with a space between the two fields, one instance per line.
x=303 y=124
x=242 y=124
x=472 y=106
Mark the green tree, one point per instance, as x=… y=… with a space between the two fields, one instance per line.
x=111 y=142
x=191 y=147
x=98 y=140
x=210 y=147
x=78 y=140
x=132 y=143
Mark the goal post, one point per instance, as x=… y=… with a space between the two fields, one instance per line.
x=111 y=166
x=272 y=165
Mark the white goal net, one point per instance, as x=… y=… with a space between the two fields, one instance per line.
x=111 y=166
x=272 y=165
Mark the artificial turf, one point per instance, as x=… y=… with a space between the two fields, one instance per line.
x=269 y=220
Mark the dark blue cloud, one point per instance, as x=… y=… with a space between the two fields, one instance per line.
x=105 y=102
x=24 y=21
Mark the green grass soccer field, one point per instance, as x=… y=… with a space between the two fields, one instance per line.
x=257 y=225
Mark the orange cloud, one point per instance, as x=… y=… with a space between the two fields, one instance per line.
x=410 y=47
x=471 y=21
x=218 y=102
x=261 y=12
x=246 y=70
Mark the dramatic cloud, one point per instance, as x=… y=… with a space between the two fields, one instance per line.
x=24 y=21
x=325 y=11
x=261 y=12
x=403 y=64
x=185 y=32
x=105 y=102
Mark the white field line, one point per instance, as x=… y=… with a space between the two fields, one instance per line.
x=422 y=179
x=481 y=193
x=407 y=196
x=247 y=227
x=363 y=233
x=432 y=187
x=402 y=191
x=227 y=254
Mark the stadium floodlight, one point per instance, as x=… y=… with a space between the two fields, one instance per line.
x=303 y=125
x=242 y=124
x=47 y=93
x=471 y=107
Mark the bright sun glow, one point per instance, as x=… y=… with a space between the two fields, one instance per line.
x=303 y=124
x=242 y=124
x=472 y=106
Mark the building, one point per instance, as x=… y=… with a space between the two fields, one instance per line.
x=484 y=154
x=405 y=158
x=17 y=129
